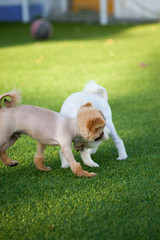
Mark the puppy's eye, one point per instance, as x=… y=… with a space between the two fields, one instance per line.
x=98 y=129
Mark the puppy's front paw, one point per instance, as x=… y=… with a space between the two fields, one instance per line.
x=89 y=162
x=65 y=165
x=47 y=169
x=122 y=157
x=81 y=173
x=93 y=164
x=92 y=174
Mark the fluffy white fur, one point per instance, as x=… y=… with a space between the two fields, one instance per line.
x=98 y=96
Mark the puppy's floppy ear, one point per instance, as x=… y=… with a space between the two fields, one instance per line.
x=96 y=123
x=99 y=123
x=89 y=104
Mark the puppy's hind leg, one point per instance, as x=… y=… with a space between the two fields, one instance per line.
x=3 y=155
x=39 y=158
x=6 y=160
x=118 y=142
x=85 y=155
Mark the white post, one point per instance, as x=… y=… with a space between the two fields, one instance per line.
x=47 y=6
x=103 y=12
x=64 y=6
x=25 y=11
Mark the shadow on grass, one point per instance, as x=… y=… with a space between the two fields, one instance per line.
x=62 y=32
x=26 y=178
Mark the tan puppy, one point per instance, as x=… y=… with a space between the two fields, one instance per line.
x=48 y=128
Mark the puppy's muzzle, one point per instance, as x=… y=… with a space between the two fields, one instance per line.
x=100 y=136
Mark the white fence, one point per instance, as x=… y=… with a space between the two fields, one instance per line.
x=137 y=9
x=94 y=10
x=103 y=11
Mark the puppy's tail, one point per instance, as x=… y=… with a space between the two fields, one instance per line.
x=14 y=98
x=96 y=89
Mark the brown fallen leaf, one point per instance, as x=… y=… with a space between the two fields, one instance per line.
x=40 y=59
x=142 y=65
x=109 y=41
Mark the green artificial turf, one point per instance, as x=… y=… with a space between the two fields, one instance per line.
x=122 y=201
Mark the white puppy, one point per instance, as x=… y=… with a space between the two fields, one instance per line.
x=98 y=96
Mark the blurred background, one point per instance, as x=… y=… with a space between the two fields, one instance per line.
x=89 y=11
